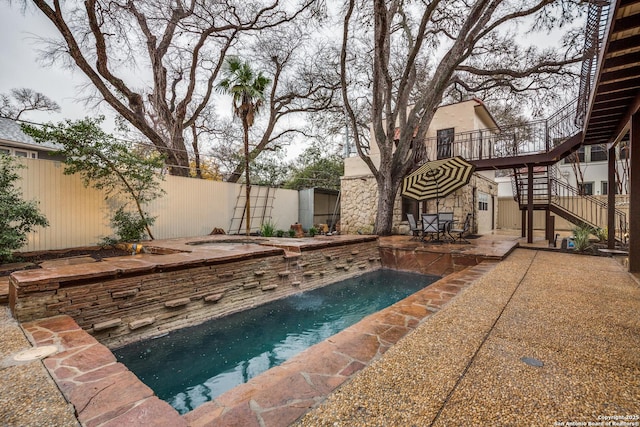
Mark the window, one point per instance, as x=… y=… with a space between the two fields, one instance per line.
x=483 y=202
x=598 y=153
x=18 y=152
x=586 y=188
x=575 y=156
x=409 y=206
x=445 y=141
x=605 y=188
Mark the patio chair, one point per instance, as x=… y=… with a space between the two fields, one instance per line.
x=429 y=225
x=445 y=221
x=415 y=230
x=461 y=231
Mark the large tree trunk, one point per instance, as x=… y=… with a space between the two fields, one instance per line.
x=387 y=191
x=196 y=152
x=237 y=172
x=384 y=218
x=181 y=161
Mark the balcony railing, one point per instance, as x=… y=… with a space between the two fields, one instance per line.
x=529 y=138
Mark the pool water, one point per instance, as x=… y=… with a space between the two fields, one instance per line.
x=194 y=365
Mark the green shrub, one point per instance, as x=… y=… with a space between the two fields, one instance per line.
x=292 y=233
x=129 y=226
x=267 y=229
x=17 y=216
x=313 y=231
x=279 y=233
x=107 y=242
x=602 y=234
x=581 y=237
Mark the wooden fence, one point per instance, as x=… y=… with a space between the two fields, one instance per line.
x=509 y=216
x=79 y=216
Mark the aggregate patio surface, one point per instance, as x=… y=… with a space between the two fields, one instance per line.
x=576 y=315
x=463 y=365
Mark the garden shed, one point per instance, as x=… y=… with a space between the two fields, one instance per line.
x=318 y=206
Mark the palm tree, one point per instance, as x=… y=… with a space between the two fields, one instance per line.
x=247 y=89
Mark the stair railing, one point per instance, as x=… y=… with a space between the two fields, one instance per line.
x=561 y=125
x=589 y=209
x=597 y=18
x=542 y=176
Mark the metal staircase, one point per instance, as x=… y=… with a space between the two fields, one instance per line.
x=261 y=206
x=566 y=201
x=542 y=176
x=540 y=145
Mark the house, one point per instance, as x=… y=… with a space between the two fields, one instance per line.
x=15 y=142
x=587 y=168
x=359 y=190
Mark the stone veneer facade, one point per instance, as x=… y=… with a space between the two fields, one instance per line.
x=118 y=305
x=359 y=203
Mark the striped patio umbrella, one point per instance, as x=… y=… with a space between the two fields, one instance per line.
x=437 y=178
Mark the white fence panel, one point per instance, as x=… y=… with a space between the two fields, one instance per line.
x=285 y=208
x=192 y=207
x=79 y=216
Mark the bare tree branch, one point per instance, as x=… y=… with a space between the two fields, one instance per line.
x=22 y=100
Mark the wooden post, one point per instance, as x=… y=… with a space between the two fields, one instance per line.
x=529 y=203
x=611 y=199
x=549 y=225
x=634 y=195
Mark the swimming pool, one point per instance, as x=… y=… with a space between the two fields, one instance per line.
x=194 y=365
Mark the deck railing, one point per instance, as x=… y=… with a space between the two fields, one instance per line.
x=527 y=138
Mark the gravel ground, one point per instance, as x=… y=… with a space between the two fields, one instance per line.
x=576 y=315
x=28 y=395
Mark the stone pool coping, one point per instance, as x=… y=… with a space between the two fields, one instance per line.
x=104 y=392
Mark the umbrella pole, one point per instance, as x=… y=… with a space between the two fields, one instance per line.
x=437 y=206
x=437 y=197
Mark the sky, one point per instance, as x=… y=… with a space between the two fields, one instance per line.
x=20 y=67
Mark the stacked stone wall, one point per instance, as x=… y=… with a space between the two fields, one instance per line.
x=129 y=308
x=359 y=204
